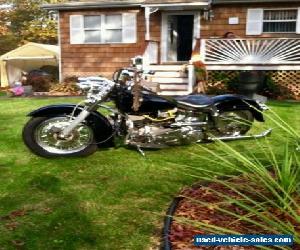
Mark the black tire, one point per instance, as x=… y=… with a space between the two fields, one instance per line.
x=246 y=120
x=30 y=141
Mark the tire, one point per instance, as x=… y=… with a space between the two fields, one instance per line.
x=239 y=124
x=31 y=141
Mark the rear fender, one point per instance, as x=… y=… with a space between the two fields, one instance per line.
x=101 y=126
x=235 y=102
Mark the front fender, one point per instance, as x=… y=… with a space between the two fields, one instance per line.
x=237 y=102
x=101 y=126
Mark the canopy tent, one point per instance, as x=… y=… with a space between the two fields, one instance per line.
x=26 y=58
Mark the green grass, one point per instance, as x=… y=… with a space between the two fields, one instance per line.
x=113 y=199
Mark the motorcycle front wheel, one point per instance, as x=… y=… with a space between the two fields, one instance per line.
x=42 y=136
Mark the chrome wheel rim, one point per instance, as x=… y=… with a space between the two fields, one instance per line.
x=47 y=136
x=234 y=123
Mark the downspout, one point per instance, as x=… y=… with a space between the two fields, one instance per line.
x=59 y=44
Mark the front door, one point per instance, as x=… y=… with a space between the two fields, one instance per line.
x=180 y=37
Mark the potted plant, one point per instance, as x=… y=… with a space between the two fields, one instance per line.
x=249 y=82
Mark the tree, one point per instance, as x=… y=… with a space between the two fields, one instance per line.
x=26 y=21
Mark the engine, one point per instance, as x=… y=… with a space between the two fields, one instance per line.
x=168 y=129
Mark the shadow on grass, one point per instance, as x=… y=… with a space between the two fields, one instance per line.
x=51 y=218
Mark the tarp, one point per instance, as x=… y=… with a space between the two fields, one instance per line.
x=26 y=58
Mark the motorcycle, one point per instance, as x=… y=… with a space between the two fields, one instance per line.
x=141 y=118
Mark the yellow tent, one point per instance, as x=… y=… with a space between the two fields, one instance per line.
x=26 y=58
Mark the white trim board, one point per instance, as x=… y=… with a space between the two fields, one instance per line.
x=252 y=67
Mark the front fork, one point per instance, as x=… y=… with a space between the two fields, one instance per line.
x=77 y=120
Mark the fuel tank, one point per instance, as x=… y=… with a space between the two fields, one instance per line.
x=151 y=102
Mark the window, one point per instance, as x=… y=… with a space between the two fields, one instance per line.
x=280 y=21
x=106 y=29
x=92 y=29
x=113 y=28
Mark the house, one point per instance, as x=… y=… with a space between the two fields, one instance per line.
x=98 y=37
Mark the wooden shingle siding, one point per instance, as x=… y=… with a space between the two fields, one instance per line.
x=102 y=59
x=219 y=25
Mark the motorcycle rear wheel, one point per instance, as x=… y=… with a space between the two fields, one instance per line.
x=41 y=136
x=234 y=123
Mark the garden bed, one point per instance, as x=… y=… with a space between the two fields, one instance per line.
x=213 y=205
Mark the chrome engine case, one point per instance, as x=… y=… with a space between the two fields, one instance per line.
x=161 y=135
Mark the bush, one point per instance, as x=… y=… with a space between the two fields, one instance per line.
x=274 y=91
x=222 y=84
x=39 y=83
x=256 y=193
x=216 y=88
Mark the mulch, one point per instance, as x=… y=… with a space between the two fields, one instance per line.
x=182 y=233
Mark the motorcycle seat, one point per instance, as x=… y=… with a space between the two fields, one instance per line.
x=195 y=101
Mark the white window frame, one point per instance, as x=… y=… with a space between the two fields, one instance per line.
x=128 y=28
x=93 y=29
x=103 y=29
x=275 y=21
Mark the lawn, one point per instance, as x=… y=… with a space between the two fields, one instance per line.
x=114 y=199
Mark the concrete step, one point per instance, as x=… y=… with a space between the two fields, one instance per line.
x=173 y=87
x=165 y=67
x=170 y=80
x=172 y=74
x=173 y=93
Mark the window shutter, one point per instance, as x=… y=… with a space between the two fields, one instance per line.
x=129 y=28
x=298 y=22
x=255 y=22
x=76 y=29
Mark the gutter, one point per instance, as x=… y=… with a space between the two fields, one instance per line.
x=216 y=2
x=195 y=4
x=75 y=6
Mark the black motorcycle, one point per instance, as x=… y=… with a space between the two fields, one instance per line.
x=140 y=118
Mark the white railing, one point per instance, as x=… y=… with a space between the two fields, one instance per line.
x=258 y=52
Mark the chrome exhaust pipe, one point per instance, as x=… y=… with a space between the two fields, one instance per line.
x=242 y=137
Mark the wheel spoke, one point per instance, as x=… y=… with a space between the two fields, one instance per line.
x=47 y=136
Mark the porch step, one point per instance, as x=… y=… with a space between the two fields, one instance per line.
x=166 y=67
x=172 y=79
x=168 y=74
x=174 y=93
x=173 y=87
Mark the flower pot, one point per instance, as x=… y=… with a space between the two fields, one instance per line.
x=249 y=82
x=28 y=90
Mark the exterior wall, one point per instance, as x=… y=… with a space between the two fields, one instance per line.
x=101 y=59
x=104 y=59
x=219 y=25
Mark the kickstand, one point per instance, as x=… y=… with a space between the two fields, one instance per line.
x=140 y=151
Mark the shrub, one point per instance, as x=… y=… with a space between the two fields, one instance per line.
x=261 y=193
x=216 y=88
x=39 y=83
x=275 y=91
